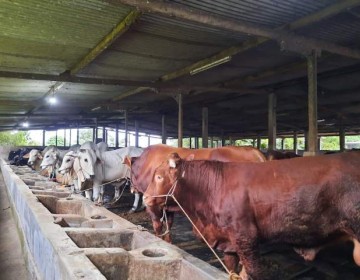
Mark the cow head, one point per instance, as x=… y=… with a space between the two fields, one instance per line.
x=164 y=179
x=67 y=162
x=84 y=164
x=50 y=158
x=33 y=156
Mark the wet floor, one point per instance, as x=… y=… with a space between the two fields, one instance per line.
x=331 y=263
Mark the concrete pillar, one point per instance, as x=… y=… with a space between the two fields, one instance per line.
x=306 y=140
x=77 y=135
x=64 y=137
x=313 y=146
x=70 y=138
x=258 y=142
x=104 y=134
x=136 y=133
x=205 y=127
x=117 y=136
x=295 y=142
x=96 y=131
x=272 y=121
x=43 y=138
x=212 y=142
x=180 y=120
x=342 y=139
x=126 y=128
x=190 y=142
x=196 y=142
x=163 y=130
x=222 y=139
x=149 y=140
x=282 y=143
x=56 y=138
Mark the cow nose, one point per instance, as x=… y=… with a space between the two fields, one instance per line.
x=92 y=176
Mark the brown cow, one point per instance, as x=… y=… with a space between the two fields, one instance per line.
x=143 y=167
x=305 y=202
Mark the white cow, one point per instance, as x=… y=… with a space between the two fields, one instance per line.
x=66 y=169
x=109 y=168
x=53 y=158
x=35 y=157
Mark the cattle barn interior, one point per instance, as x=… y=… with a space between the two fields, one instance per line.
x=197 y=68
x=114 y=63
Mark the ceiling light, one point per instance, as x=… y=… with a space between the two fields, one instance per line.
x=96 y=108
x=25 y=124
x=52 y=100
x=322 y=120
x=210 y=65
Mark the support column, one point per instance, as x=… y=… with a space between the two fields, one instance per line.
x=196 y=142
x=56 y=138
x=126 y=128
x=43 y=138
x=96 y=131
x=212 y=142
x=282 y=143
x=295 y=142
x=149 y=140
x=258 y=142
x=77 y=135
x=222 y=139
x=70 y=138
x=342 y=139
x=163 y=130
x=180 y=120
x=136 y=133
x=312 y=104
x=272 y=122
x=205 y=127
x=117 y=136
x=104 y=134
x=190 y=142
x=306 y=140
x=64 y=137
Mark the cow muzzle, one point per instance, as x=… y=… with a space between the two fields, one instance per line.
x=92 y=176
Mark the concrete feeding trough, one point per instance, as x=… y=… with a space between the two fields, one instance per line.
x=68 y=237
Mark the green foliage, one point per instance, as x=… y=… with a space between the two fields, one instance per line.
x=330 y=143
x=85 y=135
x=52 y=141
x=13 y=139
x=244 y=142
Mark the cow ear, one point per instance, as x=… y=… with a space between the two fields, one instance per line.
x=26 y=156
x=127 y=161
x=173 y=160
x=190 y=157
x=82 y=150
x=40 y=156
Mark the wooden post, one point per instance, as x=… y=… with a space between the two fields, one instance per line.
x=272 y=122
x=312 y=104
x=212 y=142
x=163 y=130
x=306 y=140
x=222 y=139
x=282 y=143
x=295 y=142
x=126 y=128
x=43 y=140
x=196 y=142
x=205 y=127
x=117 y=136
x=342 y=139
x=258 y=142
x=56 y=138
x=180 y=120
x=77 y=135
x=190 y=142
x=136 y=133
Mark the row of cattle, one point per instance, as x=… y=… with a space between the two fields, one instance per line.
x=238 y=199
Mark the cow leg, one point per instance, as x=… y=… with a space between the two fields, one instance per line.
x=170 y=221
x=88 y=194
x=231 y=261
x=136 y=203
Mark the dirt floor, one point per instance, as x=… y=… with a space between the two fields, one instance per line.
x=281 y=261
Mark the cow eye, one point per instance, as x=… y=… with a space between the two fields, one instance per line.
x=67 y=160
x=86 y=160
x=47 y=156
x=159 y=177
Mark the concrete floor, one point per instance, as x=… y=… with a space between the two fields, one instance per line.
x=12 y=261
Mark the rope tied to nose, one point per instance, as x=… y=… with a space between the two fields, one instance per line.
x=232 y=275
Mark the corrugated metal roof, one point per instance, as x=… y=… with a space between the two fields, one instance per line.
x=51 y=36
x=270 y=13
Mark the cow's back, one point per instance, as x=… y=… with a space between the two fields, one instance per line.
x=154 y=155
